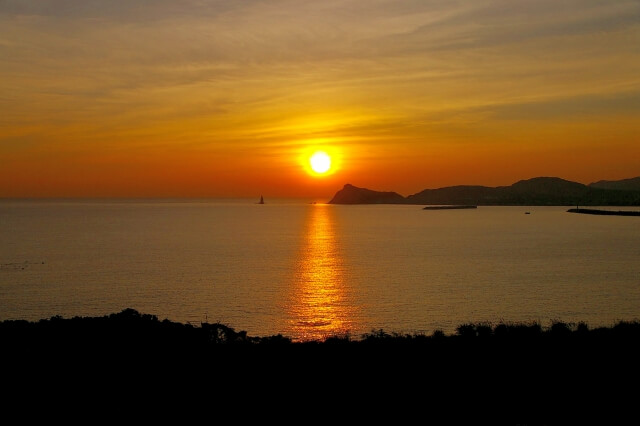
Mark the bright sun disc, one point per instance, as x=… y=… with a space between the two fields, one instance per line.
x=320 y=162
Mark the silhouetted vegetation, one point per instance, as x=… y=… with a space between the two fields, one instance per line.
x=520 y=373
x=130 y=328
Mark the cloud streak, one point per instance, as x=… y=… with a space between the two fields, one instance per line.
x=96 y=75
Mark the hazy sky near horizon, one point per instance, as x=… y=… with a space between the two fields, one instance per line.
x=226 y=98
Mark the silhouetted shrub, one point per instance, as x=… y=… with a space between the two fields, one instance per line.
x=560 y=329
x=438 y=335
x=340 y=339
x=467 y=331
x=130 y=330
x=278 y=339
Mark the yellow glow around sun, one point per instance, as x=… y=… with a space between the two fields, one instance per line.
x=320 y=162
x=320 y=157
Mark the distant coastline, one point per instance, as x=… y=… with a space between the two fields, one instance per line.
x=539 y=191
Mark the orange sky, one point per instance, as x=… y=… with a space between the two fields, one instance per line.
x=188 y=98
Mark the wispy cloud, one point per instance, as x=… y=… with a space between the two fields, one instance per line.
x=226 y=73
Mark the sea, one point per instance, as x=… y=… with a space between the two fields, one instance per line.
x=309 y=270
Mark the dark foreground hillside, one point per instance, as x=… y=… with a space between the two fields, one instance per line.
x=501 y=374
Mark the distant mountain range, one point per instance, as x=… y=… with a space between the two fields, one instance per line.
x=632 y=184
x=539 y=191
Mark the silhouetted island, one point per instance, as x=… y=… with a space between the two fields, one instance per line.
x=540 y=191
x=350 y=194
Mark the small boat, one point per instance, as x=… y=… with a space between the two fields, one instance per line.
x=261 y=200
x=527 y=212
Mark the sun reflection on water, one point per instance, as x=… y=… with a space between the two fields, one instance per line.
x=320 y=306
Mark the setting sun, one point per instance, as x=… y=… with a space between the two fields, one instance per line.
x=320 y=162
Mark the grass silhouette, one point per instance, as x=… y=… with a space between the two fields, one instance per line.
x=504 y=373
x=133 y=331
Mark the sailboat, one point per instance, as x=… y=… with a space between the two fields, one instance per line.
x=261 y=200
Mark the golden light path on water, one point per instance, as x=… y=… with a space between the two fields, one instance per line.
x=320 y=305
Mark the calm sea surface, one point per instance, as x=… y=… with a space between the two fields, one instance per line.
x=311 y=270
